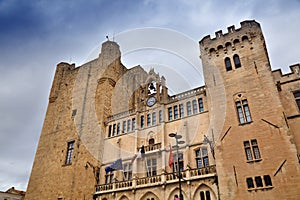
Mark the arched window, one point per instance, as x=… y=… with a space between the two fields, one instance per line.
x=228 y=64
x=236 y=60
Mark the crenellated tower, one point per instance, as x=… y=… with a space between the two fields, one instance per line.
x=247 y=116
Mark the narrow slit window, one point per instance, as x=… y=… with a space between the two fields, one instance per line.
x=124 y=127
x=118 y=128
x=189 y=108
x=133 y=124
x=154 y=118
x=175 y=112
x=200 y=103
x=142 y=121
x=70 y=153
x=181 y=109
x=148 y=120
x=128 y=125
x=195 y=109
x=170 y=113
x=160 y=116
x=109 y=130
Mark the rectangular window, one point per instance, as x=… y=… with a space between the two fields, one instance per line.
x=175 y=112
x=189 y=108
x=250 y=183
x=297 y=98
x=252 y=150
x=109 y=177
x=267 y=180
x=109 y=131
x=258 y=181
x=128 y=125
x=170 y=113
x=148 y=120
x=69 y=153
x=202 y=157
x=151 y=167
x=127 y=171
x=200 y=103
x=175 y=163
x=195 y=109
x=114 y=130
x=207 y=195
x=142 y=121
x=124 y=127
x=118 y=128
x=181 y=110
x=243 y=111
x=154 y=118
x=160 y=116
x=133 y=124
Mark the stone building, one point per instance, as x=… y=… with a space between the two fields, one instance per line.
x=115 y=133
x=12 y=194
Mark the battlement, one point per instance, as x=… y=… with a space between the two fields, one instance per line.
x=293 y=75
x=223 y=42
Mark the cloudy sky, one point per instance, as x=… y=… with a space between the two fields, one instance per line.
x=37 y=35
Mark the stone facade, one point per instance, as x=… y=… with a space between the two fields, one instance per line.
x=12 y=194
x=238 y=133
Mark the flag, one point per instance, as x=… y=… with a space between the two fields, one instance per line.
x=117 y=165
x=140 y=154
x=135 y=156
x=171 y=157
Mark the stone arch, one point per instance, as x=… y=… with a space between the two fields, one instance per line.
x=176 y=191
x=245 y=38
x=204 y=188
x=220 y=47
x=236 y=41
x=212 y=50
x=149 y=196
x=123 y=197
x=228 y=45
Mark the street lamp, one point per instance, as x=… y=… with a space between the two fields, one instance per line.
x=177 y=137
x=211 y=145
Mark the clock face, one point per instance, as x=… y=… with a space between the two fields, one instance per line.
x=151 y=101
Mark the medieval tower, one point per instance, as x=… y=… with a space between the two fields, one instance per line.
x=115 y=133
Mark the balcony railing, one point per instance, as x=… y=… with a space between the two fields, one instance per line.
x=164 y=178
x=151 y=147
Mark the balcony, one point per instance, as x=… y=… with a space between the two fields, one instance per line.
x=151 y=147
x=162 y=179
